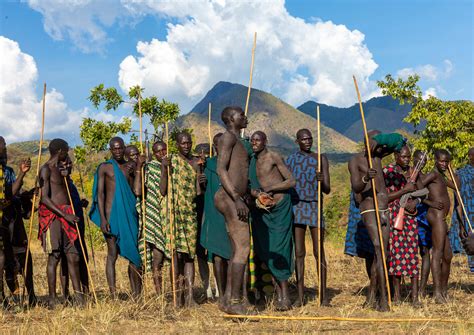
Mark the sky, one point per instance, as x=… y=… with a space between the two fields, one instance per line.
x=178 y=50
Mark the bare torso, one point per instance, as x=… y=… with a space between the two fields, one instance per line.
x=107 y=171
x=57 y=191
x=268 y=173
x=438 y=192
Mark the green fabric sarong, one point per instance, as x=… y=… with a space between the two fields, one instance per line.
x=155 y=212
x=272 y=232
x=214 y=236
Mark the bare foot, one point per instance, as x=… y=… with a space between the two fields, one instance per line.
x=439 y=298
x=283 y=305
x=237 y=308
x=325 y=302
x=383 y=307
x=51 y=304
x=416 y=303
x=189 y=301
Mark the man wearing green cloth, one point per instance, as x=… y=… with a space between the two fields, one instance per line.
x=214 y=236
x=272 y=226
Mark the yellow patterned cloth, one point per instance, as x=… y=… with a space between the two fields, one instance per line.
x=182 y=207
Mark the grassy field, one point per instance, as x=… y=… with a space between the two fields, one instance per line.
x=346 y=281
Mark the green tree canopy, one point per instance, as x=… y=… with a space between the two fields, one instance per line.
x=438 y=124
x=96 y=134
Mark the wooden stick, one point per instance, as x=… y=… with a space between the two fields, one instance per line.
x=374 y=191
x=143 y=214
x=250 y=80
x=80 y=240
x=343 y=319
x=459 y=196
x=38 y=163
x=87 y=219
x=169 y=219
x=209 y=130
x=319 y=211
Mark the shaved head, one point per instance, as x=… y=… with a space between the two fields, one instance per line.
x=302 y=132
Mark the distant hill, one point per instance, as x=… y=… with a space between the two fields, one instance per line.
x=383 y=113
x=277 y=119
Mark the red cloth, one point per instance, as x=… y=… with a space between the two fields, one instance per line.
x=46 y=217
x=403 y=244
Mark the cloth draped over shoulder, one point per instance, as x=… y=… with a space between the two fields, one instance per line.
x=403 y=244
x=214 y=236
x=182 y=208
x=358 y=242
x=155 y=213
x=466 y=188
x=393 y=141
x=273 y=232
x=123 y=218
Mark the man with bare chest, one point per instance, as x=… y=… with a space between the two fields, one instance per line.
x=437 y=183
x=380 y=145
x=272 y=223
x=57 y=223
x=113 y=210
x=232 y=168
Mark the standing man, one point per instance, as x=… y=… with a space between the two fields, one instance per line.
x=380 y=146
x=272 y=226
x=303 y=164
x=13 y=237
x=113 y=210
x=403 y=244
x=57 y=223
x=185 y=180
x=156 y=228
x=214 y=236
x=232 y=168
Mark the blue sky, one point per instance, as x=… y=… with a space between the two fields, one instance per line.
x=75 y=48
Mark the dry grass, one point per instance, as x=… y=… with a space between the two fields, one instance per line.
x=347 y=280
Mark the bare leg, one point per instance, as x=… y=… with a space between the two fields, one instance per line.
x=220 y=272
x=179 y=278
x=53 y=261
x=30 y=288
x=73 y=268
x=439 y=231
x=300 y=253
x=189 y=277
x=157 y=265
x=112 y=254
x=314 y=237
x=372 y=274
x=64 y=277
x=2 y=268
x=446 y=267
x=425 y=270
x=204 y=274
x=414 y=292
x=370 y=222
x=135 y=277
x=396 y=289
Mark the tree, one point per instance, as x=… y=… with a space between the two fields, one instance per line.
x=96 y=134
x=438 y=124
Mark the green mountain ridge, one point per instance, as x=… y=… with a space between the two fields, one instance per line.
x=276 y=118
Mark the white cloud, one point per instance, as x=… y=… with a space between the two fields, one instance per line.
x=428 y=72
x=209 y=41
x=20 y=107
x=430 y=92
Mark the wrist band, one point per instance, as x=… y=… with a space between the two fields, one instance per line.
x=364 y=181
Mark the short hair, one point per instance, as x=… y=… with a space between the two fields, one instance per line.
x=115 y=140
x=470 y=150
x=182 y=134
x=2 y=139
x=261 y=133
x=405 y=147
x=129 y=148
x=300 y=132
x=418 y=153
x=202 y=147
x=159 y=142
x=439 y=152
x=56 y=145
x=228 y=112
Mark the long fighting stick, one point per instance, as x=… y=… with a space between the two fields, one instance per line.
x=30 y=229
x=66 y=182
x=459 y=196
x=143 y=195
x=320 y=297
x=170 y=220
x=250 y=80
x=87 y=220
x=374 y=191
x=209 y=130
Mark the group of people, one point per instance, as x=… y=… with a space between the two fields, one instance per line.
x=240 y=206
